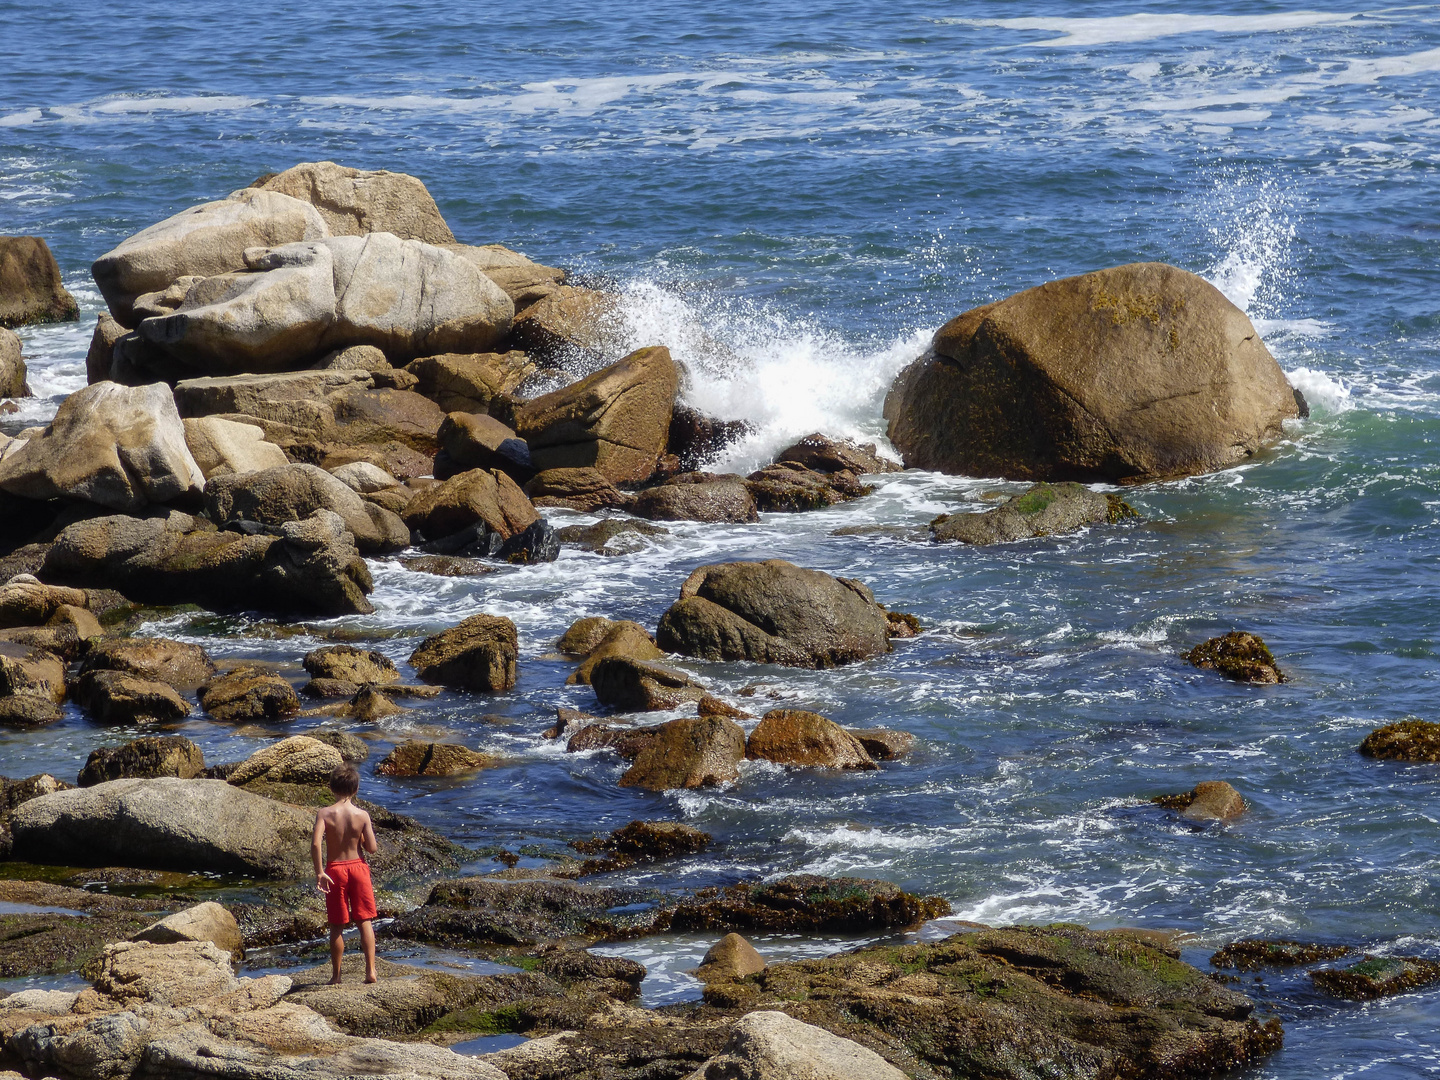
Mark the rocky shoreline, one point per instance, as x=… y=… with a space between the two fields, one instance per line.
x=312 y=372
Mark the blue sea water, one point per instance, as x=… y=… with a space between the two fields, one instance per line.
x=819 y=186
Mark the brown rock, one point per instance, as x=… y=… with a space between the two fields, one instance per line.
x=30 y=286
x=584 y=489
x=615 y=421
x=570 y=326
x=883 y=744
x=117 y=697
x=625 y=741
x=414 y=758
x=1136 y=373
x=23 y=711
x=31 y=672
x=1211 y=800
x=249 y=694
x=1406 y=740
x=621 y=682
x=567 y=723
x=524 y=280
x=176 y=663
x=795 y=737
x=787 y=487
x=488 y=497
x=732 y=957
x=354 y=202
x=584 y=635
x=296 y=760
x=1239 y=656
x=346 y=662
x=384 y=416
x=478 y=654
x=166 y=755
x=447 y=565
x=12 y=367
x=625 y=638
x=470 y=382
x=688 y=753
x=371 y=703
x=713 y=706
x=697 y=497
x=25 y=601
x=476 y=441
x=202 y=922
x=826 y=455
x=101 y=353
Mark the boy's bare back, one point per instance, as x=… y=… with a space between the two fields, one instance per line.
x=347 y=830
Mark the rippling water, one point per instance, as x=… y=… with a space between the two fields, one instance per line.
x=819 y=187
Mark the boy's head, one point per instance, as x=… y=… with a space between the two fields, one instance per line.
x=344 y=781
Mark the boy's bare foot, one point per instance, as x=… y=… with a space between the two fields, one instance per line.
x=335 y=981
x=371 y=979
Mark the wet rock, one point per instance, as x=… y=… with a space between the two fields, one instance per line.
x=414 y=758
x=470 y=382
x=115 y=446
x=25 y=601
x=806 y=903
x=1211 y=800
x=629 y=685
x=476 y=441
x=795 y=737
x=774 y=612
x=228 y=448
x=486 y=497
x=1405 y=740
x=312 y=566
x=788 y=487
x=354 y=665
x=613 y=536
x=697 y=497
x=625 y=741
x=179 y=664
x=1135 y=373
x=769 y=1045
x=50 y=944
x=292 y=493
x=1239 y=656
x=883 y=744
x=370 y=704
x=826 y=455
x=615 y=421
x=165 y=755
x=567 y=723
x=1043 y=510
x=732 y=957
x=1377 y=977
x=902 y=625
x=352 y=748
x=353 y=202
x=624 y=639
x=583 y=489
x=249 y=694
x=640 y=842
x=1249 y=954
x=447 y=565
x=585 y=634
x=202 y=922
x=30 y=287
x=688 y=753
x=13 y=371
x=117 y=697
x=168 y=824
x=713 y=706
x=478 y=654
x=296 y=760
x=570 y=327
x=696 y=439
x=28 y=672
x=23 y=711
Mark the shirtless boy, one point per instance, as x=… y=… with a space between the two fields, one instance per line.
x=345 y=878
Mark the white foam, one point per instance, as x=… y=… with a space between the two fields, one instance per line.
x=1145 y=26
x=199 y=104
x=1250 y=221
x=18 y=119
x=1324 y=393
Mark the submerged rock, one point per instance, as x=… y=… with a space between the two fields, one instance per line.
x=688 y=753
x=883 y=744
x=13 y=371
x=1211 y=800
x=1239 y=656
x=143 y=759
x=1405 y=740
x=826 y=455
x=613 y=536
x=1251 y=953
x=795 y=737
x=1377 y=977
x=478 y=654
x=806 y=903
x=413 y=758
x=640 y=842
x=1135 y=373
x=696 y=439
x=30 y=287
x=774 y=612
x=1043 y=510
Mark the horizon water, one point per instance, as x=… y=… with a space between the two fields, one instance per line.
x=819 y=187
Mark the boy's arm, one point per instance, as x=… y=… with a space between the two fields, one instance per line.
x=323 y=880
x=367 y=836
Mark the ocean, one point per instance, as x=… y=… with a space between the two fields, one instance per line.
x=818 y=187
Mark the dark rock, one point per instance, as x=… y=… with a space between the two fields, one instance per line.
x=1131 y=374
x=1043 y=510
x=774 y=612
x=1236 y=655
x=613 y=536
x=1251 y=953
x=178 y=663
x=713 y=706
x=688 y=753
x=883 y=744
x=795 y=737
x=478 y=654
x=1211 y=800
x=697 y=497
x=628 y=742
x=249 y=694
x=1377 y=977
x=1405 y=740
x=583 y=489
x=788 y=487
x=23 y=711
x=640 y=842
x=414 y=758
x=901 y=624
x=30 y=287
x=476 y=441
x=568 y=722
x=117 y=697
x=447 y=565
x=629 y=685
x=51 y=944
x=168 y=755
x=696 y=439
x=827 y=455
x=806 y=903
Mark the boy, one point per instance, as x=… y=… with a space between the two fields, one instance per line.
x=345 y=879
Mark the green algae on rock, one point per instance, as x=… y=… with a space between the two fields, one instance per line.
x=1251 y=953
x=1377 y=977
x=1042 y=510
x=1239 y=656
x=1404 y=740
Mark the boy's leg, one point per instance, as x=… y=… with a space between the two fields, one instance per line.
x=337 y=951
x=367 y=943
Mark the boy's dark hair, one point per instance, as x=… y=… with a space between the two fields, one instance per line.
x=345 y=780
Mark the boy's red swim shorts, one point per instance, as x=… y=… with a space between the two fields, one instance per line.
x=351 y=895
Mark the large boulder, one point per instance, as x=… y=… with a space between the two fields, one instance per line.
x=1136 y=373
x=1043 y=510
x=312 y=566
x=180 y=664
x=12 y=367
x=630 y=685
x=690 y=752
x=227 y=447
x=203 y=241
x=117 y=697
x=296 y=760
x=416 y=758
x=30 y=286
x=289 y=493
x=796 y=737
x=249 y=694
x=525 y=281
x=356 y=201
x=769 y=1045
x=776 y=613
x=207 y=921
x=294 y=302
x=698 y=497
x=586 y=490
x=489 y=498
x=116 y=446
x=26 y=601
x=480 y=653
x=616 y=420
x=470 y=382
x=143 y=759
x=165 y=824
x=350 y=664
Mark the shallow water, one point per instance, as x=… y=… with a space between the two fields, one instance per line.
x=819 y=187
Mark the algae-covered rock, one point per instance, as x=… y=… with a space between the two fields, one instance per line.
x=640 y=842
x=789 y=487
x=1043 y=510
x=806 y=903
x=688 y=753
x=415 y=758
x=480 y=653
x=117 y=697
x=796 y=737
x=1239 y=656
x=1405 y=740
x=247 y=694
x=1210 y=800
x=166 y=755
x=1251 y=953
x=1377 y=977
x=732 y=957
